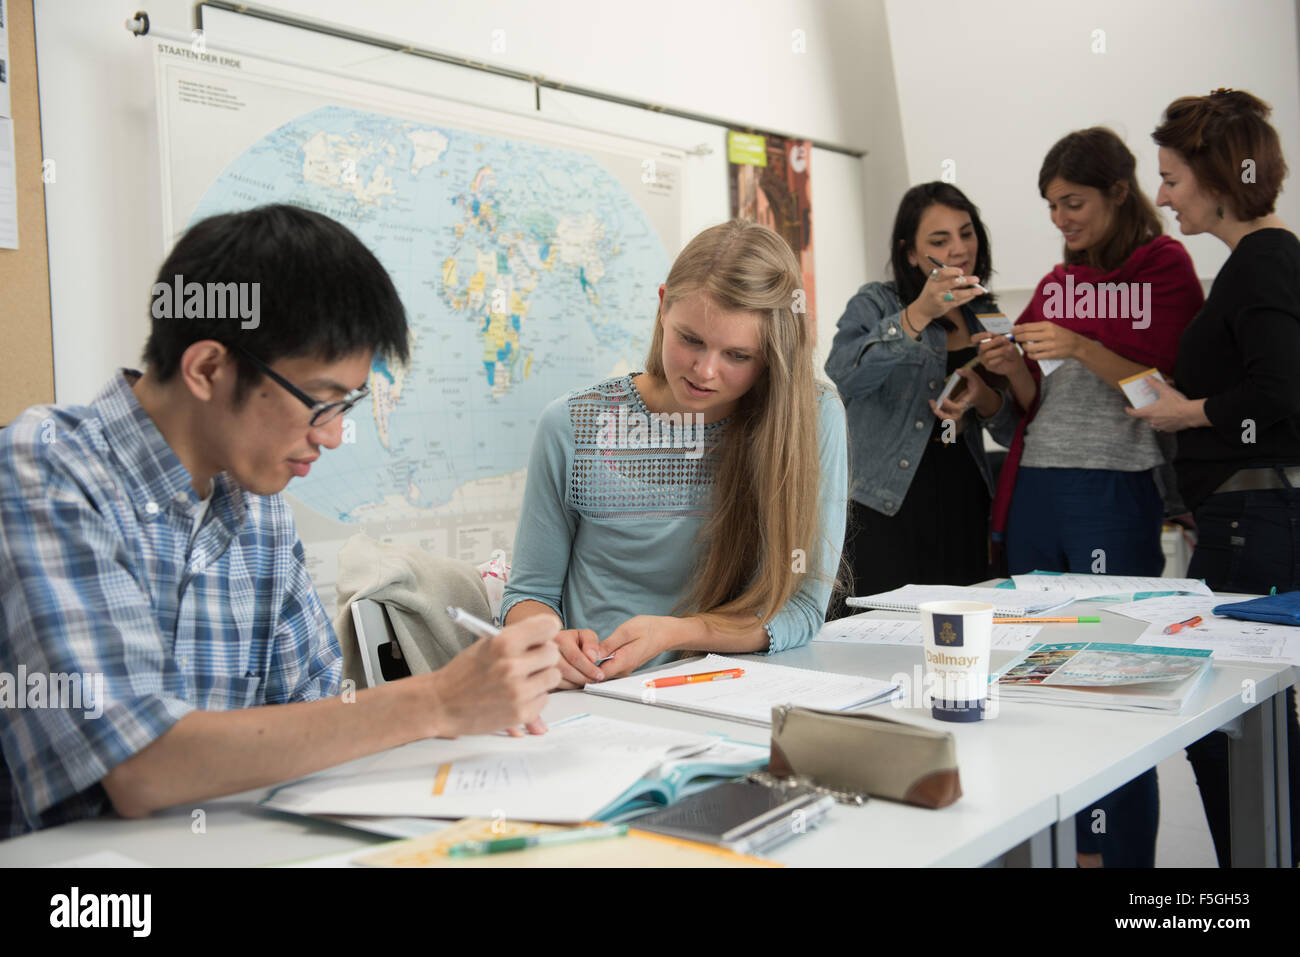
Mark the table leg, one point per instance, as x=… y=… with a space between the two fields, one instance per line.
x=1282 y=778
x=1063 y=846
x=1257 y=786
x=1035 y=852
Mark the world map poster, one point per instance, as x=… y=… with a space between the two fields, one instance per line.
x=527 y=254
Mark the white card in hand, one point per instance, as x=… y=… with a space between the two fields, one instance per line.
x=1139 y=389
x=995 y=322
x=953 y=381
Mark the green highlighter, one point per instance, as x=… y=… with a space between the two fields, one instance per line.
x=572 y=836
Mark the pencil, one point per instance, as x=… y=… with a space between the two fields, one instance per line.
x=1081 y=620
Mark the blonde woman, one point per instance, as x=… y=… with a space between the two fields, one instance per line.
x=698 y=505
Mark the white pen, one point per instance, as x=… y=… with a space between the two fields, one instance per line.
x=471 y=624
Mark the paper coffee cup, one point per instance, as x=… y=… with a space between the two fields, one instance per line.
x=958 y=635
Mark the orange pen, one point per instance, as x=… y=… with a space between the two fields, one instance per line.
x=691 y=679
x=1180 y=625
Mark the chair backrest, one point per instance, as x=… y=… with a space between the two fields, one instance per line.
x=381 y=656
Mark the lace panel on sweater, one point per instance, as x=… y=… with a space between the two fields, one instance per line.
x=630 y=463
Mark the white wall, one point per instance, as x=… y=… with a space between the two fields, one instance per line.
x=735 y=61
x=993 y=85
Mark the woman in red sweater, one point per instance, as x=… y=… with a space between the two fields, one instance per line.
x=1078 y=491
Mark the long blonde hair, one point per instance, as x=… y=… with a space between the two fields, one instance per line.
x=767 y=480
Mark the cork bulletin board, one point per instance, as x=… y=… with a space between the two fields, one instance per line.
x=26 y=341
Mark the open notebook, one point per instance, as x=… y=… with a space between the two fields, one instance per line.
x=751 y=697
x=584 y=768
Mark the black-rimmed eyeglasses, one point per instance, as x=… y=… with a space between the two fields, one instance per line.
x=321 y=412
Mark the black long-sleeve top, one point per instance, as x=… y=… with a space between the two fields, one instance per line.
x=1242 y=355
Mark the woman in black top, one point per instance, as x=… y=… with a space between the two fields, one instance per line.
x=1237 y=405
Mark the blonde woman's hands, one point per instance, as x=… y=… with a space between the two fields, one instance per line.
x=579 y=652
x=639 y=639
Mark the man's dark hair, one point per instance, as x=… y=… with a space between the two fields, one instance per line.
x=321 y=293
x=910 y=279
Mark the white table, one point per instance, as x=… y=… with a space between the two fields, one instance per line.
x=1024 y=775
x=1079 y=755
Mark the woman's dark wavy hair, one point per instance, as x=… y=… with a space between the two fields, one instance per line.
x=1097 y=157
x=907 y=221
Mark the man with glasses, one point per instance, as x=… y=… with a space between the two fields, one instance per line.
x=145 y=551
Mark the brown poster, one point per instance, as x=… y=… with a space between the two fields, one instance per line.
x=770 y=184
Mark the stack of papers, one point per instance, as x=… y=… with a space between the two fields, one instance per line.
x=1080 y=586
x=1006 y=602
x=868 y=630
x=751 y=697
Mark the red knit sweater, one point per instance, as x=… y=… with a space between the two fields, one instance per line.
x=1175 y=297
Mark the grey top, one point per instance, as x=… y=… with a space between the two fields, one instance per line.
x=1081 y=424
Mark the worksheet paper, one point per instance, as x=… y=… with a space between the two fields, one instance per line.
x=567 y=774
x=1231 y=639
x=1088 y=586
x=1167 y=609
x=8 y=187
x=865 y=630
x=751 y=697
x=6 y=64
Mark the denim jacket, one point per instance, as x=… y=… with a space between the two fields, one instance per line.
x=886 y=379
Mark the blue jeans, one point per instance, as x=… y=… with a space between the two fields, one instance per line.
x=1247 y=542
x=1104 y=522
x=1085 y=520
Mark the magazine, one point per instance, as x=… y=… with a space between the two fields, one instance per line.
x=1103 y=675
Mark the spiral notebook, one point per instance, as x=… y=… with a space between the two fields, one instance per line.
x=751 y=697
x=1006 y=602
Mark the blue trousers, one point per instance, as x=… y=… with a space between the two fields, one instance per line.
x=1102 y=522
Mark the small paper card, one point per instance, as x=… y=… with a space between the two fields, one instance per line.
x=1139 y=389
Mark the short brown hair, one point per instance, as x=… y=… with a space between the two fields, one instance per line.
x=1097 y=157
x=1216 y=135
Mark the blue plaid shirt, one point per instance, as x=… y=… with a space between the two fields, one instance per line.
x=103 y=585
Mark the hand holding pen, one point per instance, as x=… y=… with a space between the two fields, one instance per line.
x=998 y=354
x=945 y=289
x=501 y=681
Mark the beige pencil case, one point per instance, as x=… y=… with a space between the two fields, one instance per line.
x=866 y=753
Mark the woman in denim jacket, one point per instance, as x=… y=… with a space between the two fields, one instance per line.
x=920 y=483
